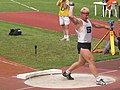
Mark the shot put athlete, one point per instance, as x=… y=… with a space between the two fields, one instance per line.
x=84 y=31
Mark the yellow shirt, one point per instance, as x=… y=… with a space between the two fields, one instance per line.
x=63 y=11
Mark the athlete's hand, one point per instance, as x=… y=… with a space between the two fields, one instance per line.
x=71 y=4
x=107 y=27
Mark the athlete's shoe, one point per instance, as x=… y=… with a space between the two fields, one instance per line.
x=100 y=82
x=67 y=39
x=68 y=76
x=63 y=39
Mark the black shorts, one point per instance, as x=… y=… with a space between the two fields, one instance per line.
x=84 y=46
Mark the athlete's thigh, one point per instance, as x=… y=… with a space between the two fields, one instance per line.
x=81 y=59
x=87 y=55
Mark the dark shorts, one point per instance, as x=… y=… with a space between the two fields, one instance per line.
x=84 y=46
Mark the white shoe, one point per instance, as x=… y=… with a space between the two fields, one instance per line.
x=62 y=39
x=67 y=39
x=100 y=82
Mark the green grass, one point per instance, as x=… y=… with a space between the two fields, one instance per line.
x=51 y=52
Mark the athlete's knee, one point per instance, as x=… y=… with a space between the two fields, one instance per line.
x=81 y=62
x=78 y=63
x=91 y=61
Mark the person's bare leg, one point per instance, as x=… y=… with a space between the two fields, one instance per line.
x=63 y=28
x=74 y=66
x=87 y=55
x=66 y=31
x=77 y=64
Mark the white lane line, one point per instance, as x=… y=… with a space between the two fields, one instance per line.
x=25 y=88
x=9 y=63
x=109 y=72
x=25 y=5
x=108 y=60
x=15 y=64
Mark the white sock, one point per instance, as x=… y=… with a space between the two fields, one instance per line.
x=65 y=36
x=98 y=78
x=67 y=71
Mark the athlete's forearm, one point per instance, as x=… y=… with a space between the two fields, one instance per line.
x=71 y=11
x=58 y=3
x=100 y=26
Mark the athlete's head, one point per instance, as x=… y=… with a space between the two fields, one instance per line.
x=84 y=13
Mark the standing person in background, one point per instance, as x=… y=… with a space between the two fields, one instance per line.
x=63 y=18
x=84 y=31
x=108 y=5
x=105 y=1
x=112 y=1
x=108 y=47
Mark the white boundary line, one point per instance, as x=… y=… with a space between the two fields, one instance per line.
x=15 y=64
x=9 y=63
x=25 y=88
x=108 y=60
x=108 y=72
x=25 y=5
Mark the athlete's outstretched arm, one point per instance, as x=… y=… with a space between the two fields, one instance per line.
x=71 y=14
x=97 y=25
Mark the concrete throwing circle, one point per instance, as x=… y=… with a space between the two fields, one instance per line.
x=58 y=81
